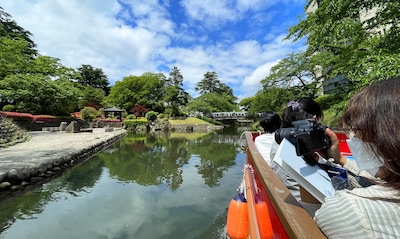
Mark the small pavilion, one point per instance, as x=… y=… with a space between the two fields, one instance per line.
x=113 y=112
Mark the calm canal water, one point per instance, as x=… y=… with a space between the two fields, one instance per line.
x=144 y=186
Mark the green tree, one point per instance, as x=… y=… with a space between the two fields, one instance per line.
x=146 y=90
x=10 y=29
x=211 y=102
x=93 y=77
x=91 y=97
x=13 y=58
x=226 y=91
x=175 y=95
x=209 y=84
x=343 y=41
x=38 y=94
x=296 y=70
x=273 y=98
x=50 y=66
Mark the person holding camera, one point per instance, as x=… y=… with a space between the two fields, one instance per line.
x=371 y=122
x=270 y=122
x=296 y=110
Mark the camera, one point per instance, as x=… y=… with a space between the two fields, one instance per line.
x=307 y=136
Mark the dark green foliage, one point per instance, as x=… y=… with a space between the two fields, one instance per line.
x=130 y=117
x=94 y=77
x=10 y=29
x=9 y=108
x=175 y=96
x=133 y=123
x=38 y=94
x=151 y=116
x=88 y=114
x=145 y=90
x=211 y=102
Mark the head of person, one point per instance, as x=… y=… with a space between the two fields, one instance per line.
x=301 y=109
x=373 y=117
x=270 y=121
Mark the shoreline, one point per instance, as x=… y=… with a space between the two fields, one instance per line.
x=47 y=154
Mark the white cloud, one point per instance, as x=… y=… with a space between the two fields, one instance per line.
x=143 y=38
x=252 y=82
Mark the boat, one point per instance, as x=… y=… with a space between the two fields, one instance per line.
x=286 y=217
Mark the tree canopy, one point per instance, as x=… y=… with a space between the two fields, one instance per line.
x=10 y=29
x=175 y=96
x=356 y=38
x=38 y=94
x=215 y=96
x=146 y=90
x=39 y=84
x=94 y=77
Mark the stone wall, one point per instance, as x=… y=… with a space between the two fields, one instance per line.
x=194 y=128
x=16 y=179
x=10 y=133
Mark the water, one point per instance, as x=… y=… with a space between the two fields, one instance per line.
x=175 y=186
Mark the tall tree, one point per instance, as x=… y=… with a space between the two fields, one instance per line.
x=175 y=95
x=296 y=70
x=356 y=38
x=10 y=29
x=216 y=96
x=210 y=83
x=93 y=77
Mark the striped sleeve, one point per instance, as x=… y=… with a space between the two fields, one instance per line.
x=339 y=217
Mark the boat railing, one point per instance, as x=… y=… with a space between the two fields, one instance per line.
x=295 y=220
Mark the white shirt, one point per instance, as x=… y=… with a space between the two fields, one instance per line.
x=263 y=144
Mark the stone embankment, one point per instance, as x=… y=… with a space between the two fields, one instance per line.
x=49 y=153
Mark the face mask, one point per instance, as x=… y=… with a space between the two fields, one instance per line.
x=364 y=156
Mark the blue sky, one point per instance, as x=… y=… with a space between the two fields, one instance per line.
x=240 y=40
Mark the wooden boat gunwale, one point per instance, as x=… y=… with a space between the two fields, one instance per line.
x=296 y=221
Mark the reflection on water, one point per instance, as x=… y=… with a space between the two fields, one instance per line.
x=145 y=186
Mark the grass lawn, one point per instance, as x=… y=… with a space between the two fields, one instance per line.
x=188 y=120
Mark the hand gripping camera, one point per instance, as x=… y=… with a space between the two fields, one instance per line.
x=307 y=136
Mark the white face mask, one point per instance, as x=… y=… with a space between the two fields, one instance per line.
x=364 y=156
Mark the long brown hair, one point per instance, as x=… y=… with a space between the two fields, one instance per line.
x=374 y=113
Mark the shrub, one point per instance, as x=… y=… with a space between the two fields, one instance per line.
x=161 y=116
x=327 y=101
x=88 y=114
x=133 y=123
x=151 y=116
x=130 y=117
x=9 y=108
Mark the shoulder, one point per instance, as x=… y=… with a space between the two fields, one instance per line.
x=264 y=137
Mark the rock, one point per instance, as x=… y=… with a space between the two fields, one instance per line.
x=73 y=127
x=4 y=186
x=3 y=175
x=14 y=177
x=63 y=126
x=108 y=129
